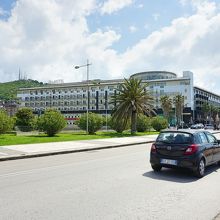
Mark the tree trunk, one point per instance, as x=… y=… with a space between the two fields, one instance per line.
x=133 y=122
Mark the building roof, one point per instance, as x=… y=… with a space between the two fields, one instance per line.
x=76 y=84
x=204 y=90
x=155 y=75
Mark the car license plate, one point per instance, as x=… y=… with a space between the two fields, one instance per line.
x=167 y=161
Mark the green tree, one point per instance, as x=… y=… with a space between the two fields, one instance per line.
x=51 y=122
x=8 y=90
x=131 y=99
x=143 y=123
x=166 y=105
x=205 y=110
x=159 y=123
x=95 y=122
x=25 y=119
x=178 y=101
x=213 y=112
x=6 y=123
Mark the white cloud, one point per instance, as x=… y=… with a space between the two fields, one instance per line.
x=187 y=44
x=132 y=29
x=3 y=12
x=140 y=5
x=111 y=6
x=156 y=16
x=46 y=40
x=199 y=4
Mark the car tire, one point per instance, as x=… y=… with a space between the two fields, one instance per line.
x=156 y=168
x=200 y=170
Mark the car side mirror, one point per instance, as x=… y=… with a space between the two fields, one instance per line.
x=218 y=142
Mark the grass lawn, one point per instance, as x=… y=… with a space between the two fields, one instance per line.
x=12 y=139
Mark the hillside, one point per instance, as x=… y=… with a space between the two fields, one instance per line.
x=8 y=90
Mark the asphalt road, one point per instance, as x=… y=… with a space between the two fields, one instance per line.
x=106 y=184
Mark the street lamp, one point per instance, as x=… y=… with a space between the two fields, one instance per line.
x=106 y=112
x=87 y=79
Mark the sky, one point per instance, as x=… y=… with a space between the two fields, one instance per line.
x=45 y=39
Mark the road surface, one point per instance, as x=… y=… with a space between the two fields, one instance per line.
x=106 y=184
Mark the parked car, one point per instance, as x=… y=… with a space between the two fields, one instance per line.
x=192 y=149
x=209 y=126
x=183 y=126
x=197 y=126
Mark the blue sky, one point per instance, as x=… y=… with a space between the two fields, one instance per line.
x=6 y=4
x=45 y=39
x=144 y=16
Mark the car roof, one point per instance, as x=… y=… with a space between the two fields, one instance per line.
x=189 y=131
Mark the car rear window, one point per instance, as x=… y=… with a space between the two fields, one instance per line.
x=175 y=137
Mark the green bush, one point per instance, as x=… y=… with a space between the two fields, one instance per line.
x=159 y=123
x=95 y=122
x=51 y=122
x=25 y=119
x=6 y=123
x=143 y=123
x=118 y=126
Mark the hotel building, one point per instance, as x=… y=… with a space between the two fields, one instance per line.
x=72 y=99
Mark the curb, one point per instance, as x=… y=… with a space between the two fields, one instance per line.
x=26 y=156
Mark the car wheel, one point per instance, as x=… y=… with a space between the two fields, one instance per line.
x=200 y=170
x=156 y=168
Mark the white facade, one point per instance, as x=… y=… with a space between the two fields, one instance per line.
x=170 y=85
x=72 y=98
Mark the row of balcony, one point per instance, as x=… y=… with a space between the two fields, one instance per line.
x=37 y=98
x=64 y=105
x=72 y=103
x=41 y=109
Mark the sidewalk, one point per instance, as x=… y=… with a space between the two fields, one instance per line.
x=13 y=152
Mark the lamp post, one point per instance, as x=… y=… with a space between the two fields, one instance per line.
x=106 y=114
x=87 y=79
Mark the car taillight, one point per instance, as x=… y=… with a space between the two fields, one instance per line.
x=191 y=149
x=153 y=148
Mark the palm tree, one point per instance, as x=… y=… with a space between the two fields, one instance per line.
x=178 y=101
x=166 y=105
x=131 y=99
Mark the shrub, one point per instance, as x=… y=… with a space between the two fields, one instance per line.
x=6 y=123
x=159 y=123
x=25 y=119
x=51 y=122
x=143 y=123
x=95 y=122
x=118 y=126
